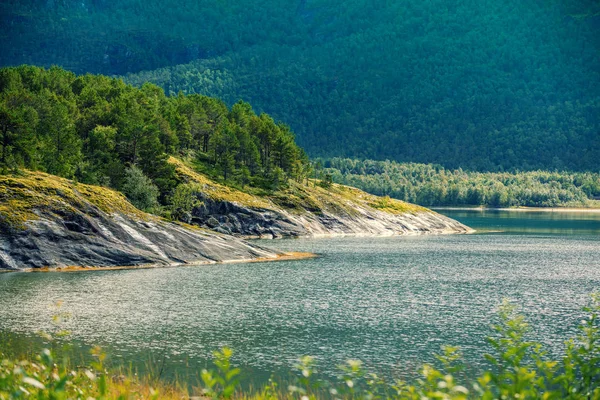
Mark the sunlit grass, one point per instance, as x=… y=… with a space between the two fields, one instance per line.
x=296 y=196
x=27 y=195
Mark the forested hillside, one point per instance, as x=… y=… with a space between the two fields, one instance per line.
x=487 y=85
x=101 y=131
x=433 y=185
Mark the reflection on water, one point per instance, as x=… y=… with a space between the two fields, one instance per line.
x=517 y=221
x=391 y=302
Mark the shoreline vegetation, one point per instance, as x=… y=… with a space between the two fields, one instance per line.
x=432 y=185
x=591 y=209
x=516 y=368
x=97 y=130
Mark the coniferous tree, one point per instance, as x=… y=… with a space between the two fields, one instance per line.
x=140 y=190
x=17 y=140
x=97 y=128
x=61 y=147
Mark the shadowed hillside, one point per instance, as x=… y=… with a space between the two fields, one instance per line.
x=486 y=85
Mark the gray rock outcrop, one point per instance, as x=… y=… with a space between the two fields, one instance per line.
x=242 y=221
x=103 y=240
x=51 y=222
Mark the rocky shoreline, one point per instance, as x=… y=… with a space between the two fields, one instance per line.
x=47 y=222
x=288 y=256
x=51 y=222
x=247 y=222
x=120 y=241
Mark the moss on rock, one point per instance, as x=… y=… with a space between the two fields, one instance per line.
x=297 y=197
x=28 y=195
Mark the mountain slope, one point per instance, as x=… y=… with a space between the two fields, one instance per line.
x=479 y=85
x=486 y=85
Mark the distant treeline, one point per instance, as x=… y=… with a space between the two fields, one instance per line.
x=433 y=185
x=95 y=129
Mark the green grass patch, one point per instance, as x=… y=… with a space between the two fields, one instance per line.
x=295 y=197
x=28 y=195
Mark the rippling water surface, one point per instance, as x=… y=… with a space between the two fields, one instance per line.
x=391 y=302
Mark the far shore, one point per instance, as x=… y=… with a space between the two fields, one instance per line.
x=289 y=256
x=523 y=209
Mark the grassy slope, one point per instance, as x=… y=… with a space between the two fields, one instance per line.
x=297 y=197
x=27 y=195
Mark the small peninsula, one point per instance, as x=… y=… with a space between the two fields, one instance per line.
x=52 y=222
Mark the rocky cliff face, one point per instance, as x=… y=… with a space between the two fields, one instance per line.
x=116 y=240
x=47 y=221
x=239 y=220
x=309 y=210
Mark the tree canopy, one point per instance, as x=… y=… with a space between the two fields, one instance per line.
x=100 y=130
x=433 y=185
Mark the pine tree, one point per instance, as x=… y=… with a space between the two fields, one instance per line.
x=61 y=146
x=17 y=138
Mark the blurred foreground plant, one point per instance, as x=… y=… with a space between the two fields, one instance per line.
x=518 y=369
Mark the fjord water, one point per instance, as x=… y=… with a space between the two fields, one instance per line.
x=390 y=302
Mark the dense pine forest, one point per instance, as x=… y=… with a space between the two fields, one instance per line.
x=99 y=130
x=433 y=185
x=482 y=85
